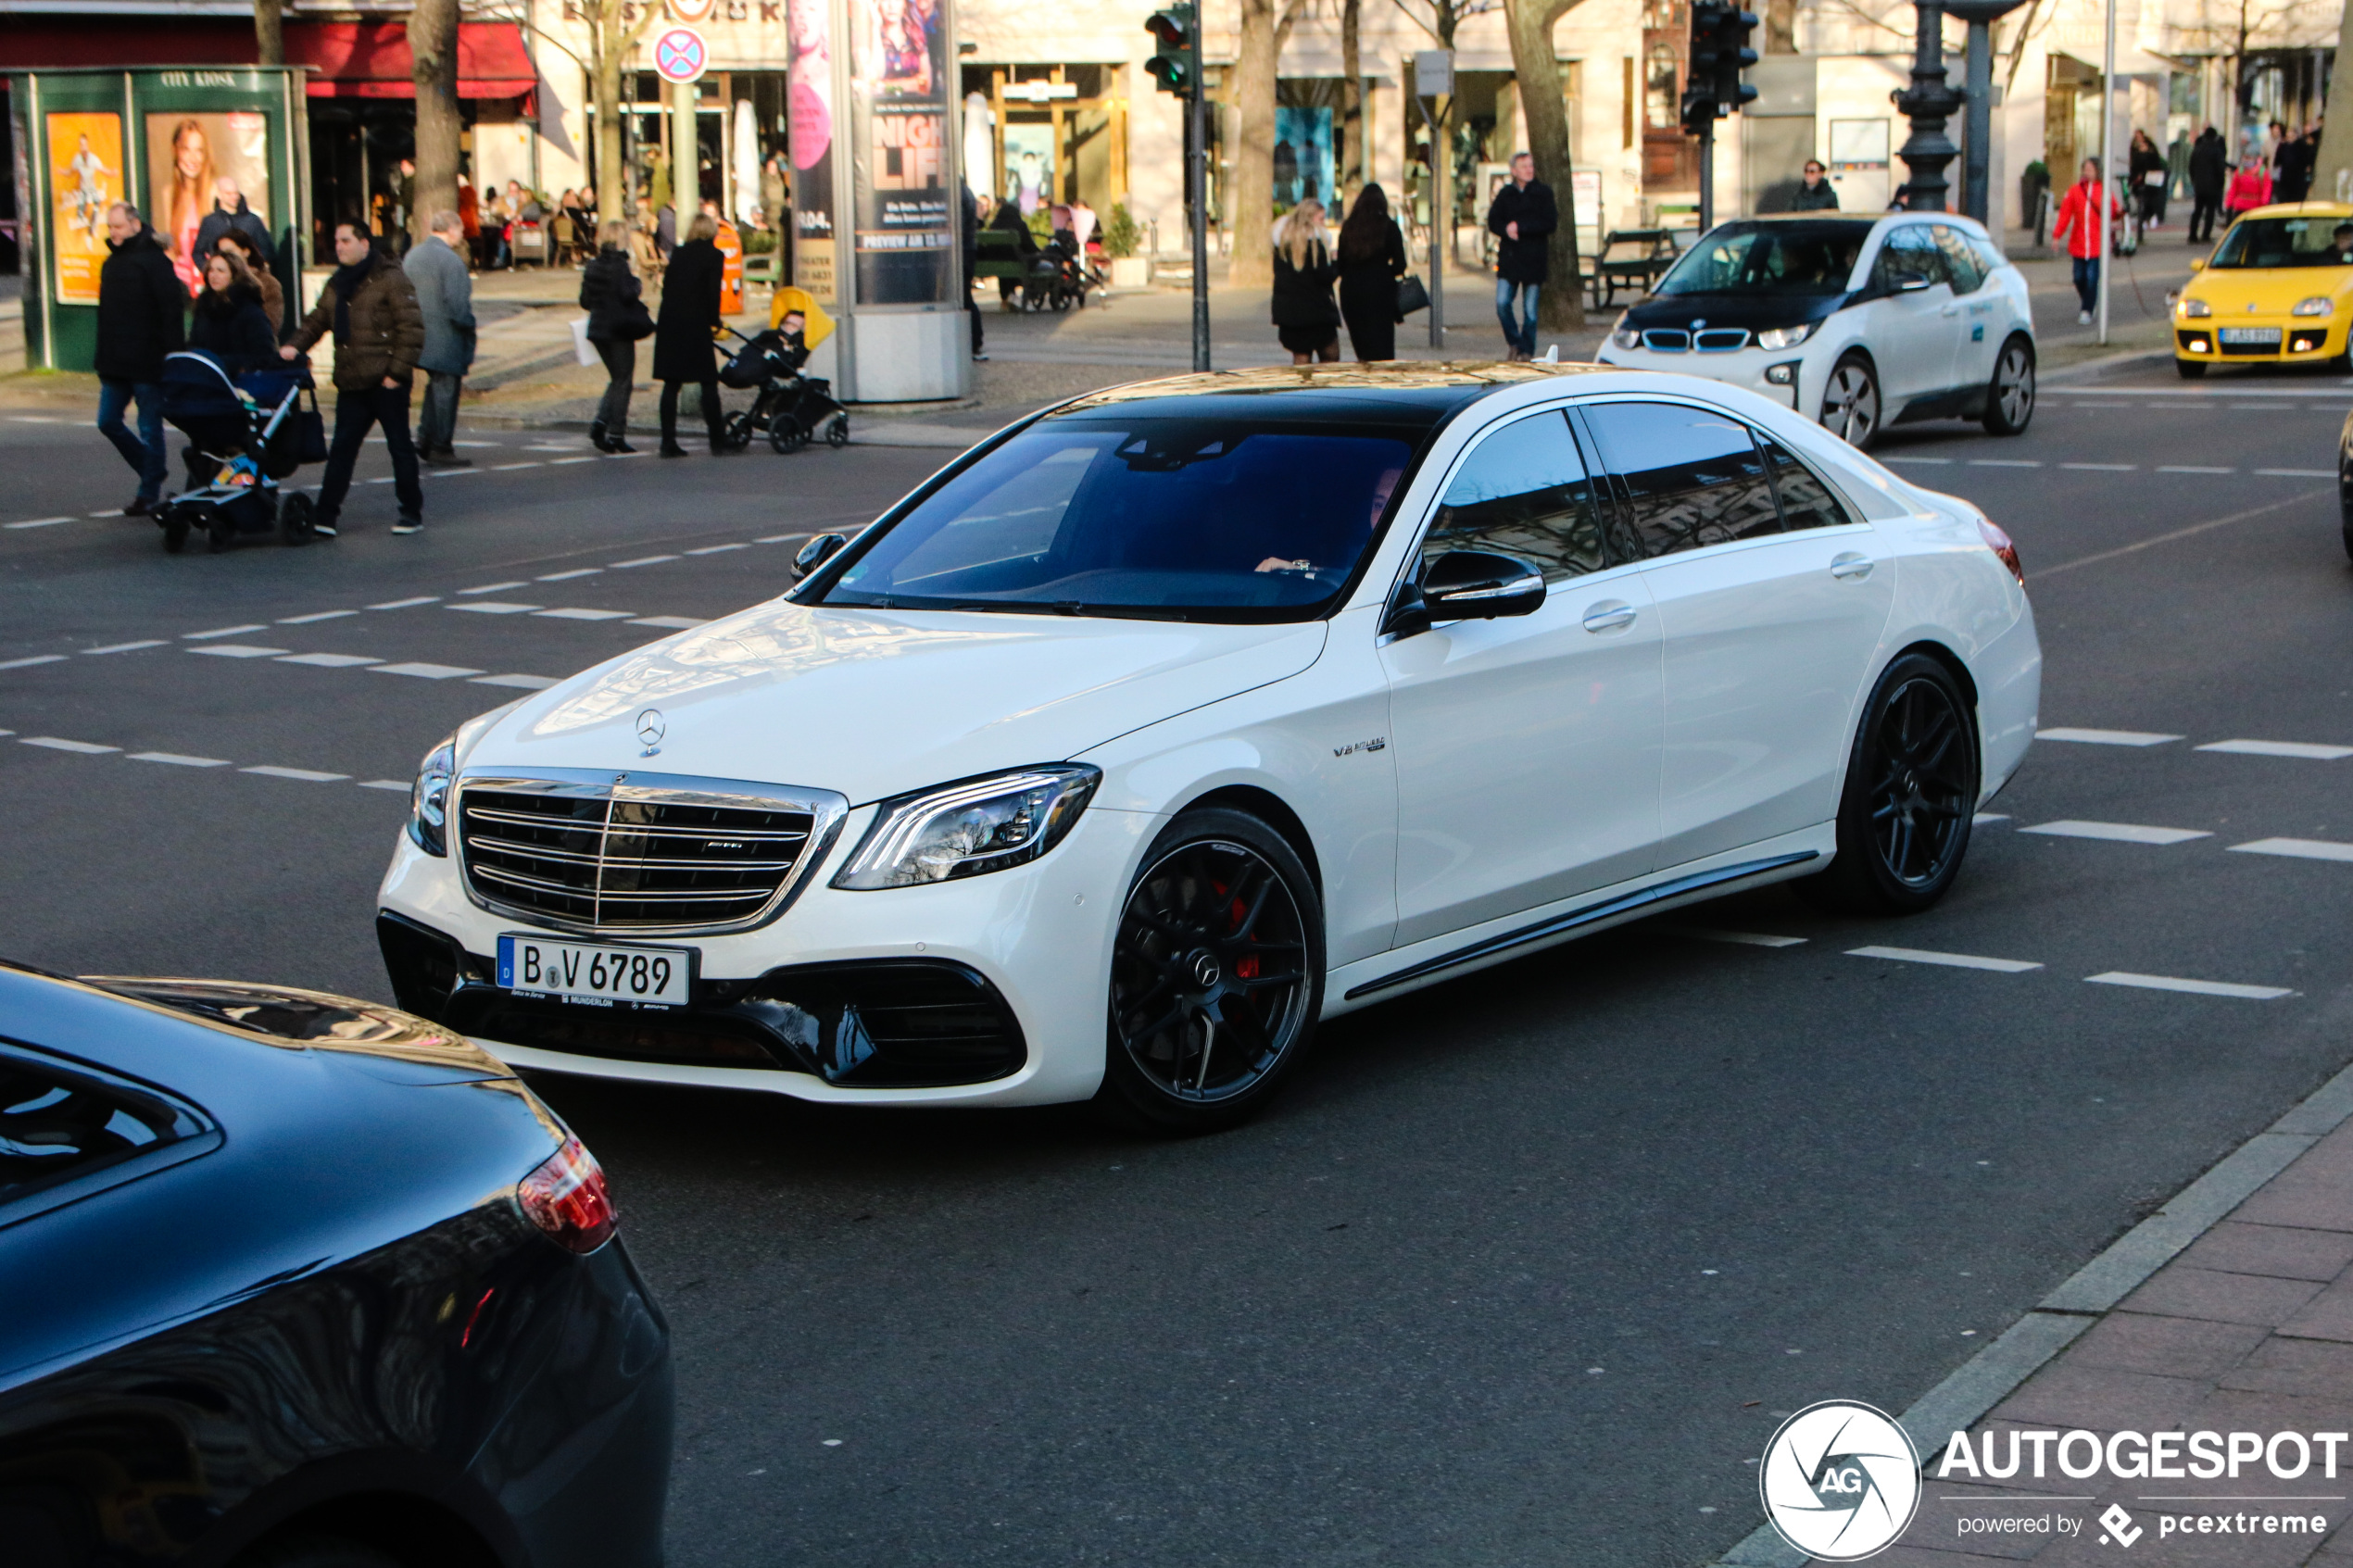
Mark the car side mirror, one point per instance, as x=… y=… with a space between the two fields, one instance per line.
x=2197 y=264
x=1467 y=585
x=816 y=553
x=1910 y=283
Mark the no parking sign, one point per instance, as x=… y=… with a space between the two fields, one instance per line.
x=680 y=55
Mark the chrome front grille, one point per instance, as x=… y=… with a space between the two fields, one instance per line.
x=637 y=853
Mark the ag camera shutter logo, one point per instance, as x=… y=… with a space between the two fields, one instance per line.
x=1840 y=1481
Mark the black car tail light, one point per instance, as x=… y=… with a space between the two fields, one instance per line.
x=2001 y=544
x=566 y=1197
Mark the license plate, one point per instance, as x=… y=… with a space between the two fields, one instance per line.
x=2267 y=336
x=596 y=972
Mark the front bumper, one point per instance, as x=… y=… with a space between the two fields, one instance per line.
x=1752 y=369
x=2302 y=340
x=987 y=990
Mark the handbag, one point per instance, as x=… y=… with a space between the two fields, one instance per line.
x=634 y=322
x=1411 y=296
x=310 y=428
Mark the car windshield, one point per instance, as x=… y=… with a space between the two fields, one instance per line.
x=1210 y=518
x=1773 y=258
x=2285 y=241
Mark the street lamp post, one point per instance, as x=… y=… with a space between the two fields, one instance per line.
x=1978 y=133
x=1928 y=102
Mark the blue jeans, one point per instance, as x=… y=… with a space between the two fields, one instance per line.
x=143 y=451
x=1521 y=336
x=2087 y=281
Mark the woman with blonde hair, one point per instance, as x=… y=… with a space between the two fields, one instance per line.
x=614 y=299
x=689 y=320
x=189 y=199
x=1305 y=318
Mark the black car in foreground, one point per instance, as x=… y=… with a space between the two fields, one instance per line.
x=290 y=1281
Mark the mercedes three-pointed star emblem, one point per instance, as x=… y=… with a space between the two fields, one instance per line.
x=649 y=731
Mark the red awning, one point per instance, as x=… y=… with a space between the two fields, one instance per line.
x=371 y=59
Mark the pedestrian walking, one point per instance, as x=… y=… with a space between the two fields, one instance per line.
x=2250 y=188
x=2146 y=167
x=972 y=267
x=139 y=321
x=227 y=320
x=1814 y=193
x=470 y=216
x=1305 y=318
x=1522 y=219
x=2208 y=170
x=683 y=333
x=436 y=270
x=370 y=307
x=2292 y=166
x=2078 y=219
x=237 y=243
x=614 y=299
x=229 y=211
x=1372 y=257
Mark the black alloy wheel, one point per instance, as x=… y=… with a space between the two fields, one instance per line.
x=1851 y=402
x=2009 y=401
x=1912 y=783
x=1217 y=976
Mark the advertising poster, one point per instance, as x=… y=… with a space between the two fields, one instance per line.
x=906 y=220
x=1029 y=166
x=1305 y=168
x=195 y=160
x=809 y=85
x=85 y=178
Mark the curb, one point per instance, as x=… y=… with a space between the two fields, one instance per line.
x=2089 y=369
x=2063 y=1316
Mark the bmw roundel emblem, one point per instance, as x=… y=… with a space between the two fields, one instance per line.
x=650 y=730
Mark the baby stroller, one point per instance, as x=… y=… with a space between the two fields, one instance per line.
x=247 y=434
x=791 y=405
x=1073 y=275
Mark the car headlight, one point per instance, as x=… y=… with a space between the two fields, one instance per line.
x=1785 y=337
x=2319 y=304
x=970 y=829
x=429 y=799
x=2196 y=307
x=1625 y=337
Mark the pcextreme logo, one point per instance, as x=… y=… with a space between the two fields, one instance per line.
x=1839 y=1480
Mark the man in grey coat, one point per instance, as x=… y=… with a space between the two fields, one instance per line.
x=445 y=298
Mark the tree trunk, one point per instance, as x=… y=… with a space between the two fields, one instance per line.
x=270 y=33
x=1250 y=188
x=1357 y=170
x=432 y=44
x=1561 y=306
x=2333 y=173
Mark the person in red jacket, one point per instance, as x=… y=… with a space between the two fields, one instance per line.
x=2079 y=226
x=2250 y=188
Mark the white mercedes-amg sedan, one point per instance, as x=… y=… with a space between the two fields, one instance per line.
x=1168 y=723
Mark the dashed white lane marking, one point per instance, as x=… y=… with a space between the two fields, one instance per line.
x=2296 y=848
x=788 y=538
x=177 y=760
x=2107 y=737
x=2190 y=468
x=669 y=622
x=509 y=467
x=2297 y=474
x=315 y=615
x=2117 y=833
x=36 y=658
x=2102 y=467
x=300 y=775
x=423 y=671
x=719 y=549
x=330 y=660
x=238 y=650
x=2194 y=987
x=524 y=682
x=454 y=473
x=81 y=747
x=1949 y=960
x=128 y=647
x=409 y=604
x=566 y=462
x=641 y=560
x=2004 y=463
x=222 y=631
x=495 y=606
x=2281 y=748
x=1924 y=462
x=1739 y=939
x=42 y=522
x=574 y=614
x=1985 y=817
x=568 y=576
x=490 y=588
x=386 y=783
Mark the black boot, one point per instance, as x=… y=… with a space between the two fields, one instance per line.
x=596 y=435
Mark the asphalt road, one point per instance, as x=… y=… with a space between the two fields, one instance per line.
x=1523 y=1269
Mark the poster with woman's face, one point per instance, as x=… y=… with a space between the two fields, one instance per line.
x=85 y=179
x=810 y=94
x=195 y=160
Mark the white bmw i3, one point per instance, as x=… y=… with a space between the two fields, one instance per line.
x=1164 y=725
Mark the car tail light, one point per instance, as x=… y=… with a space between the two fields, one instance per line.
x=566 y=1197
x=2001 y=544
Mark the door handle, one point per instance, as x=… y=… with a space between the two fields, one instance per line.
x=1952 y=310
x=1609 y=617
x=1850 y=565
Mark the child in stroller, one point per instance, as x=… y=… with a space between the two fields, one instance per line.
x=791 y=405
x=247 y=434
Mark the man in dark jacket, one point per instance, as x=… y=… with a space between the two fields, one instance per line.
x=2208 y=170
x=972 y=265
x=1815 y=194
x=230 y=211
x=139 y=306
x=2292 y=166
x=370 y=307
x=1522 y=217
x=437 y=268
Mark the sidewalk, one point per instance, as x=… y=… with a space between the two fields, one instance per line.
x=2230 y=1310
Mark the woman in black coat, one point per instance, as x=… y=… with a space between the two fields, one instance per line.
x=1372 y=257
x=229 y=321
x=1306 y=321
x=611 y=294
x=683 y=333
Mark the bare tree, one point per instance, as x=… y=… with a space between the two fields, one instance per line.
x=1357 y=170
x=270 y=32
x=1561 y=306
x=433 y=46
x=2332 y=169
x=1249 y=204
x=613 y=37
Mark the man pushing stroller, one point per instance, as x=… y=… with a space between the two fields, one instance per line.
x=370 y=307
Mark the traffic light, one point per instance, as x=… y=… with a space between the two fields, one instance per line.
x=1720 y=52
x=1175 y=62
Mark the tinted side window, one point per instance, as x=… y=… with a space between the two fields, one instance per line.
x=1807 y=501
x=1524 y=492
x=58 y=1123
x=1692 y=478
x=1909 y=253
x=1960 y=261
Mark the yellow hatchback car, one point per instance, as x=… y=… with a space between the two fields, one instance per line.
x=2277 y=291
